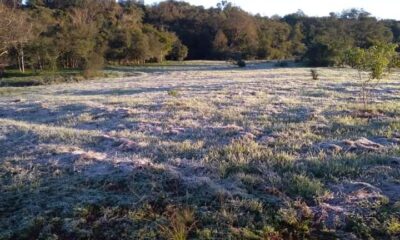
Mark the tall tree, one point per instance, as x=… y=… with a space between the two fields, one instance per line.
x=15 y=33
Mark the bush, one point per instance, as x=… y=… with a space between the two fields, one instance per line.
x=314 y=74
x=376 y=60
x=241 y=63
x=282 y=64
x=94 y=63
x=173 y=93
x=393 y=226
x=179 y=52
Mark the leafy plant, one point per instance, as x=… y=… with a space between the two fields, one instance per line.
x=173 y=93
x=376 y=61
x=393 y=226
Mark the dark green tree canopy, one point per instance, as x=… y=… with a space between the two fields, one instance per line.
x=69 y=33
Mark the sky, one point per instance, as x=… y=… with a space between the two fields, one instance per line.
x=384 y=9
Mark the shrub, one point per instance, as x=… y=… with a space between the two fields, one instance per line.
x=282 y=64
x=179 y=51
x=173 y=93
x=393 y=226
x=93 y=65
x=241 y=63
x=377 y=61
x=314 y=74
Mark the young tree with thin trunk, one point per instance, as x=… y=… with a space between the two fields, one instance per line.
x=376 y=61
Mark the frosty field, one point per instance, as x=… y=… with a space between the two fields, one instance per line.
x=201 y=152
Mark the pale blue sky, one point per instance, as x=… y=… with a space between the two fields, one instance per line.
x=379 y=8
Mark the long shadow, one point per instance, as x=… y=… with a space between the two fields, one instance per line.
x=200 y=67
x=15 y=140
x=36 y=113
x=80 y=204
x=142 y=90
x=381 y=91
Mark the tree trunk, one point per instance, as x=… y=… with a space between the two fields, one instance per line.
x=22 y=60
x=19 y=62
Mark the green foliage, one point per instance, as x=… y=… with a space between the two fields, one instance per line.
x=238 y=152
x=47 y=35
x=378 y=59
x=179 y=52
x=328 y=39
x=302 y=185
x=355 y=57
x=173 y=93
x=393 y=226
x=319 y=54
x=359 y=227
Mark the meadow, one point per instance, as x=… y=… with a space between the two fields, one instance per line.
x=201 y=151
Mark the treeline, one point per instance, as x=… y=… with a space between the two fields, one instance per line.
x=82 y=34
x=85 y=34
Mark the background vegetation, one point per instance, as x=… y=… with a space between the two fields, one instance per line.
x=84 y=34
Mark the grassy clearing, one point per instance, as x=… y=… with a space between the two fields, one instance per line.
x=211 y=154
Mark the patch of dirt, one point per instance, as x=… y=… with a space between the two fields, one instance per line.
x=358 y=145
x=368 y=114
x=272 y=138
x=346 y=199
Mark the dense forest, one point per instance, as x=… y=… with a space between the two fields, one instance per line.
x=86 y=34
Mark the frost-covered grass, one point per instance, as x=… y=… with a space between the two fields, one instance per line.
x=201 y=151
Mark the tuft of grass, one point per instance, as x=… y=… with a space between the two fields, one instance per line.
x=242 y=151
x=393 y=226
x=181 y=223
x=304 y=186
x=173 y=93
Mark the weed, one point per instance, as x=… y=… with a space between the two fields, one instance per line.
x=393 y=226
x=173 y=93
x=181 y=223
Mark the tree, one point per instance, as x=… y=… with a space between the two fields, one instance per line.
x=179 y=51
x=355 y=13
x=15 y=33
x=376 y=61
x=139 y=50
x=220 y=44
x=275 y=40
x=355 y=57
x=160 y=42
x=297 y=47
x=241 y=31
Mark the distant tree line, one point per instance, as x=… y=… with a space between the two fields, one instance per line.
x=85 y=34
